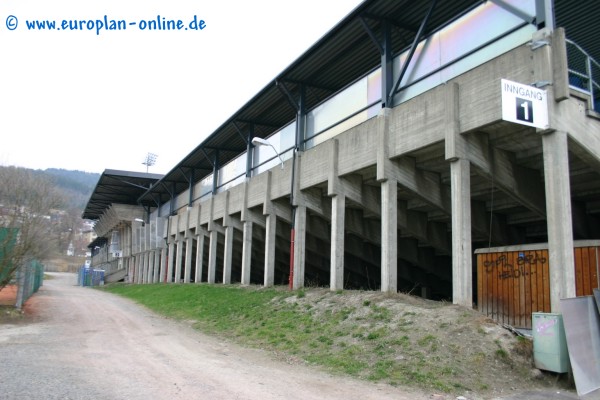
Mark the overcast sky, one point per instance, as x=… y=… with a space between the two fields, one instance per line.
x=92 y=100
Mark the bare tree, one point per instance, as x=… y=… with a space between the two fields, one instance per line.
x=27 y=203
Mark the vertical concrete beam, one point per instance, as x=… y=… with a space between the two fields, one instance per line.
x=199 y=257
x=270 y=239
x=558 y=211
x=178 y=259
x=157 y=266
x=189 y=248
x=171 y=262
x=299 y=247
x=147 y=260
x=212 y=256
x=164 y=252
x=389 y=205
x=338 y=211
x=228 y=255
x=462 y=281
x=140 y=268
x=247 y=252
x=389 y=236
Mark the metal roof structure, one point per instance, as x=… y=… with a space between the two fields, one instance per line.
x=119 y=187
x=343 y=55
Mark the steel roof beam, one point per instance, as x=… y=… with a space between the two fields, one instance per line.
x=413 y=48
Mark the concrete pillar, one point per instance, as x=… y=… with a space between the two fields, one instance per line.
x=171 y=262
x=389 y=236
x=199 y=257
x=163 y=264
x=178 y=259
x=131 y=269
x=299 y=247
x=157 y=265
x=247 y=253
x=270 y=237
x=212 y=256
x=189 y=248
x=148 y=268
x=140 y=268
x=338 y=213
x=228 y=255
x=559 y=218
x=462 y=272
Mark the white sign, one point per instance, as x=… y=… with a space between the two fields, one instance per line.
x=524 y=104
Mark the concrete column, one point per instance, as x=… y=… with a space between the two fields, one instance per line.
x=148 y=268
x=178 y=260
x=131 y=269
x=189 y=248
x=212 y=256
x=559 y=218
x=140 y=268
x=171 y=262
x=228 y=255
x=389 y=236
x=338 y=213
x=157 y=265
x=299 y=247
x=247 y=253
x=270 y=237
x=462 y=272
x=199 y=257
x=163 y=264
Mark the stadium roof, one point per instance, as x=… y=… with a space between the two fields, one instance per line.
x=119 y=187
x=343 y=55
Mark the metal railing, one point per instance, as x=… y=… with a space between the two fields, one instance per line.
x=29 y=279
x=584 y=73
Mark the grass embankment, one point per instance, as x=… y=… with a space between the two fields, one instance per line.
x=362 y=334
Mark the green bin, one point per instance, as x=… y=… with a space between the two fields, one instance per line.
x=549 y=342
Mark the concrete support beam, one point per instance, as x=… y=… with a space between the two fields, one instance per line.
x=178 y=259
x=270 y=239
x=386 y=171
x=199 y=256
x=228 y=255
x=299 y=254
x=165 y=262
x=247 y=252
x=389 y=236
x=171 y=262
x=462 y=280
x=149 y=261
x=140 y=268
x=560 y=228
x=338 y=211
x=157 y=266
x=212 y=255
x=522 y=184
x=189 y=246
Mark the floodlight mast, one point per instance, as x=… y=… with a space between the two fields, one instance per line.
x=150 y=160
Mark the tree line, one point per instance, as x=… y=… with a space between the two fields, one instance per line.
x=37 y=217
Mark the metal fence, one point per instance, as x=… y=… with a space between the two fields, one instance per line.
x=90 y=277
x=584 y=73
x=30 y=277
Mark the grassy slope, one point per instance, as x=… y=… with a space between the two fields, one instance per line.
x=394 y=339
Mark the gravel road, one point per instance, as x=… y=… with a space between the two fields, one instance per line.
x=86 y=344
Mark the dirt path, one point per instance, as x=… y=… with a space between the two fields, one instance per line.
x=86 y=344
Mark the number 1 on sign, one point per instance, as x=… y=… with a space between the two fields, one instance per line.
x=525 y=107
